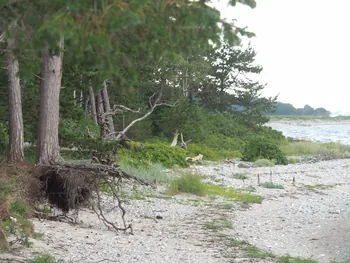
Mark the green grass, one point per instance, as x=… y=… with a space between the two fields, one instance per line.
x=289 y=259
x=254 y=252
x=272 y=185
x=218 y=225
x=45 y=259
x=314 y=148
x=155 y=173
x=188 y=183
x=218 y=190
x=263 y=163
x=192 y=183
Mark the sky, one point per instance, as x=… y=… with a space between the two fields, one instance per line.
x=304 y=48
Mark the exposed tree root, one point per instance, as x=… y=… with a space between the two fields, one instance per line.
x=69 y=187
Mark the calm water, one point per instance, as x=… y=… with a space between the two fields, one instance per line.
x=315 y=131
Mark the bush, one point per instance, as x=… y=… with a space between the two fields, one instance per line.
x=158 y=152
x=260 y=148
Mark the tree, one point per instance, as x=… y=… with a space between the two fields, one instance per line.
x=51 y=76
x=16 y=133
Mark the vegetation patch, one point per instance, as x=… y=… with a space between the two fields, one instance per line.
x=319 y=187
x=188 y=183
x=255 y=252
x=240 y=176
x=263 y=163
x=155 y=173
x=260 y=147
x=328 y=150
x=218 y=225
x=289 y=259
x=45 y=259
x=272 y=185
x=218 y=190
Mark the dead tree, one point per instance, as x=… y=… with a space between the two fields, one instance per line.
x=119 y=135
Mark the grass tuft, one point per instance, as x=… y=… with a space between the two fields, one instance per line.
x=272 y=185
x=218 y=225
x=255 y=252
x=155 y=173
x=240 y=176
x=263 y=163
x=188 y=183
x=289 y=259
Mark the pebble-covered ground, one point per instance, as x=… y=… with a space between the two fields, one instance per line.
x=308 y=218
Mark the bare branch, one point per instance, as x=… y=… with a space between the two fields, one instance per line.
x=153 y=106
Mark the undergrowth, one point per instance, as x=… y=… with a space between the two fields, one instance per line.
x=192 y=183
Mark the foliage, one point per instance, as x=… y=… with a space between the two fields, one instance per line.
x=260 y=148
x=157 y=152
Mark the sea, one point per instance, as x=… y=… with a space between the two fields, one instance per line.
x=320 y=131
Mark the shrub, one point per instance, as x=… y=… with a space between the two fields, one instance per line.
x=260 y=148
x=158 y=152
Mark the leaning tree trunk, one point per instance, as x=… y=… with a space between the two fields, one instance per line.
x=107 y=108
x=100 y=112
x=93 y=104
x=51 y=76
x=16 y=137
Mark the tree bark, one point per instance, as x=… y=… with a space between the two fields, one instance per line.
x=100 y=111
x=48 y=151
x=93 y=105
x=16 y=136
x=107 y=108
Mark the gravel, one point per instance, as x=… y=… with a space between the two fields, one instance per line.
x=303 y=221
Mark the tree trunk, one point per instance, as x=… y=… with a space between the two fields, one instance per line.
x=100 y=111
x=16 y=137
x=48 y=151
x=93 y=105
x=107 y=108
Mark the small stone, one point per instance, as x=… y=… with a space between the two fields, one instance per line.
x=159 y=217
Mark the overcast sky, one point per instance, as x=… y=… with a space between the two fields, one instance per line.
x=304 y=48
